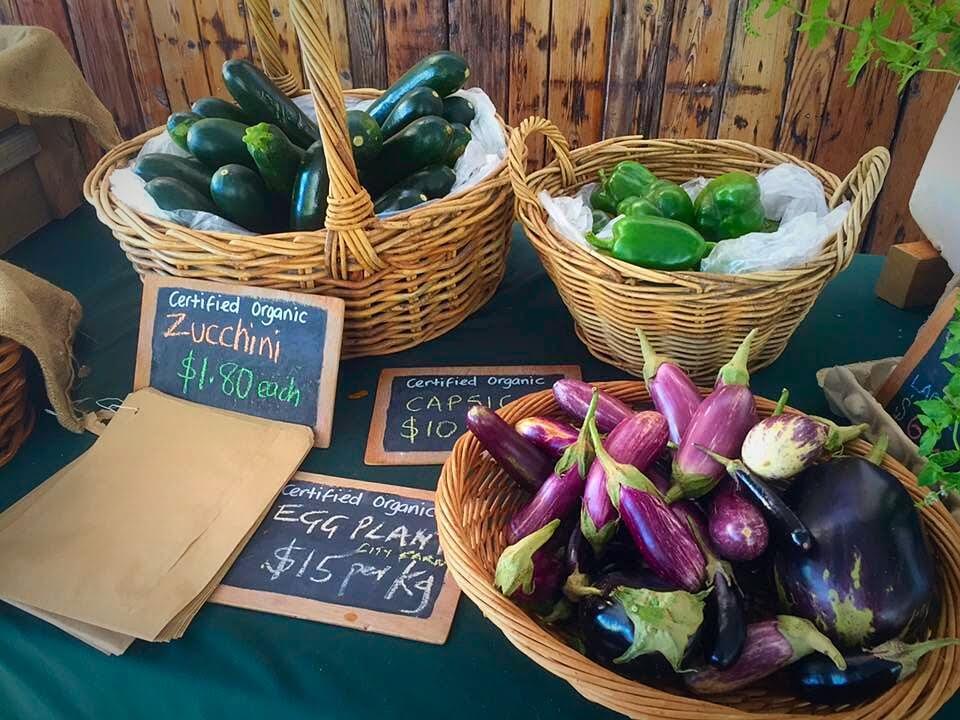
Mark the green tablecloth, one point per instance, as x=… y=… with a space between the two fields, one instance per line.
x=237 y=663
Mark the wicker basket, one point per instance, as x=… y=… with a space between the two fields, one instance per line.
x=405 y=279
x=698 y=319
x=475 y=501
x=17 y=414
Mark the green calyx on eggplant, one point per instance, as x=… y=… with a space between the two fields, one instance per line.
x=528 y=572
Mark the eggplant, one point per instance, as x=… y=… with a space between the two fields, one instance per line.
x=720 y=423
x=521 y=460
x=673 y=393
x=736 y=527
x=528 y=573
x=769 y=646
x=551 y=436
x=870 y=576
x=574 y=396
x=866 y=676
x=636 y=441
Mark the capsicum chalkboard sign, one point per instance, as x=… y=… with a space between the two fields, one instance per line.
x=257 y=351
x=420 y=413
x=349 y=553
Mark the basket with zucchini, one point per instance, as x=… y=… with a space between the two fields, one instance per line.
x=336 y=212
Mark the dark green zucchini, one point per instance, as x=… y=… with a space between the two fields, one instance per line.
x=275 y=156
x=241 y=197
x=417 y=103
x=213 y=107
x=425 y=141
x=397 y=200
x=458 y=109
x=461 y=138
x=434 y=181
x=443 y=71
x=365 y=137
x=173 y=194
x=178 y=125
x=308 y=202
x=262 y=101
x=188 y=170
x=217 y=142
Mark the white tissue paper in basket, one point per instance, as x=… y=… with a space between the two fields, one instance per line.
x=790 y=194
x=483 y=154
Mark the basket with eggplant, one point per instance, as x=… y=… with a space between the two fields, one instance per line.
x=673 y=550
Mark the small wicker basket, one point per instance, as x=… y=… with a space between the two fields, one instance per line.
x=405 y=279
x=475 y=501
x=17 y=414
x=696 y=318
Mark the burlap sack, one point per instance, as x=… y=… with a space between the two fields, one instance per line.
x=43 y=318
x=38 y=77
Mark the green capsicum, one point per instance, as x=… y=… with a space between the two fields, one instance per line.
x=600 y=199
x=627 y=179
x=637 y=207
x=653 y=242
x=729 y=206
x=671 y=200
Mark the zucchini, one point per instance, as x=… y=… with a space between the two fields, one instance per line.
x=434 y=181
x=398 y=199
x=241 y=197
x=461 y=138
x=262 y=101
x=213 y=107
x=275 y=156
x=425 y=141
x=443 y=71
x=188 y=170
x=417 y=103
x=308 y=202
x=366 y=139
x=172 y=194
x=178 y=125
x=217 y=142
x=458 y=109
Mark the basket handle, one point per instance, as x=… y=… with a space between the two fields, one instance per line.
x=517 y=156
x=863 y=183
x=349 y=205
x=268 y=43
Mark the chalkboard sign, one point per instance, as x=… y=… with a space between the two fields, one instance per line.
x=420 y=413
x=349 y=553
x=257 y=351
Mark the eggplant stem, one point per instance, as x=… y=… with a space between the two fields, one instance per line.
x=735 y=372
x=731 y=466
x=908 y=655
x=781 y=403
x=651 y=361
x=879 y=449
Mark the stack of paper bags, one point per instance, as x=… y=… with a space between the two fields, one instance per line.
x=130 y=539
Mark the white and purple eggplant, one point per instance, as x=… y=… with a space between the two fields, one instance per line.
x=529 y=573
x=720 y=423
x=521 y=460
x=672 y=391
x=638 y=440
x=553 y=437
x=736 y=526
x=770 y=646
x=575 y=396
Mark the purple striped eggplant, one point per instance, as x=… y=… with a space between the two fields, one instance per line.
x=673 y=393
x=636 y=441
x=523 y=461
x=769 y=646
x=736 y=526
x=574 y=398
x=529 y=573
x=720 y=423
x=551 y=436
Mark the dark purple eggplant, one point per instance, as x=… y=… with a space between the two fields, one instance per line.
x=523 y=461
x=574 y=398
x=736 y=526
x=529 y=573
x=769 y=646
x=636 y=441
x=870 y=576
x=673 y=393
x=551 y=436
x=720 y=423
x=868 y=675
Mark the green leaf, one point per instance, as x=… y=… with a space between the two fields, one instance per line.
x=945 y=459
x=951 y=348
x=515 y=566
x=930 y=474
x=936 y=409
x=663 y=622
x=929 y=440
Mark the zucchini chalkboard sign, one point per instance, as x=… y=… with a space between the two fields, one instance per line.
x=349 y=553
x=257 y=351
x=420 y=413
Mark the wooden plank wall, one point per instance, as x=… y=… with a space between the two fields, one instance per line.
x=598 y=68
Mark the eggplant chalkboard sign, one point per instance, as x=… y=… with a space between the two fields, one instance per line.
x=350 y=553
x=257 y=351
x=420 y=412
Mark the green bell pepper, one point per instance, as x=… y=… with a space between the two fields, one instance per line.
x=600 y=220
x=653 y=242
x=671 y=200
x=729 y=206
x=627 y=179
x=637 y=207
x=600 y=199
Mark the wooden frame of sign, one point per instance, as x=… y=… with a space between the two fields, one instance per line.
x=377 y=454
x=333 y=336
x=433 y=629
